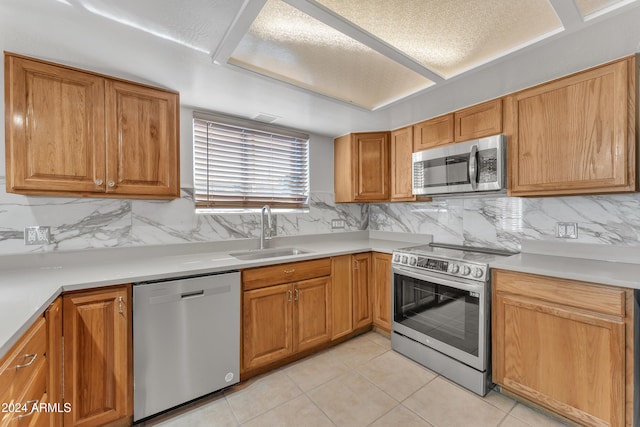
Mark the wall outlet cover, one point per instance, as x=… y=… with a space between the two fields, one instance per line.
x=37 y=235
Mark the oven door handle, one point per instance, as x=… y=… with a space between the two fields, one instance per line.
x=432 y=278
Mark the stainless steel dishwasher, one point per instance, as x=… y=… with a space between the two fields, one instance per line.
x=186 y=340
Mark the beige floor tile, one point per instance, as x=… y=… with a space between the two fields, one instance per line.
x=214 y=414
x=533 y=417
x=396 y=375
x=379 y=339
x=400 y=416
x=295 y=413
x=444 y=404
x=351 y=400
x=315 y=371
x=500 y=401
x=357 y=351
x=512 y=421
x=262 y=395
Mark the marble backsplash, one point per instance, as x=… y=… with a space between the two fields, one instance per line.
x=84 y=223
x=499 y=222
x=502 y=222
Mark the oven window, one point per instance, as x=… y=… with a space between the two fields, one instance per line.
x=446 y=314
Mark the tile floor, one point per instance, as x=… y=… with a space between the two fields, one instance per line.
x=361 y=382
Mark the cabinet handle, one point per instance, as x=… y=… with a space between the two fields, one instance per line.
x=33 y=357
x=293 y=270
x=297 y=294
x=98 y=182
x=290 y=295
x=120 y=304
x=111 y=184
x=34 y=405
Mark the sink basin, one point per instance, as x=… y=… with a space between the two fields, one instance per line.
x=268 y=253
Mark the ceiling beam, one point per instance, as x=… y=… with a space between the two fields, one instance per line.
x=332 y=19
x=568 y=12
x=242 y=22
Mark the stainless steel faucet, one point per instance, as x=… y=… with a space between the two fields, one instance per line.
x=264 y=209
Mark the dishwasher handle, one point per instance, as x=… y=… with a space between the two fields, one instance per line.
x=194 y=294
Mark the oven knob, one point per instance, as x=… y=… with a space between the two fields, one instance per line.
x=405 y=259
x=466 y=270
x=396 y=258
x=455 y=268
x=477 y=272
x=412 y=261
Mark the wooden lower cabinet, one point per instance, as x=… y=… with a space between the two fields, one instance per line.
x=362 y=300
x=98 y=374
x=281 y=320
x=341 y=296
x=565 y=345
x=381 y=272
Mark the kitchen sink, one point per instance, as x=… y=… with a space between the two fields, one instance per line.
x=268 y=253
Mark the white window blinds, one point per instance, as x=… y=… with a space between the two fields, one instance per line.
x=239 y=164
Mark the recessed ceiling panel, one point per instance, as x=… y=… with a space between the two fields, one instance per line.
x=289 y=45
x=452 y=36
x=590 y=7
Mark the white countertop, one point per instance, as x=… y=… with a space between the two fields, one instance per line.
x=603 y=264
x=29 y=283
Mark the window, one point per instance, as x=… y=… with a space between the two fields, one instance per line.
x=240 y=165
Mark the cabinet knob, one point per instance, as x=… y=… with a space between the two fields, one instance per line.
x=111 y=184
x=31 y=357
x=98 y=182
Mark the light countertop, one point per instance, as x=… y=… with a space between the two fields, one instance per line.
x=30 y=283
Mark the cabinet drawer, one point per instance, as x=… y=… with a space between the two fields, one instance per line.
x=26 y=358
x=572 y=293
x=260 y=277
x=29 y=399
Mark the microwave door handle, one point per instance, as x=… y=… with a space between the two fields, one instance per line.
x=473 y=167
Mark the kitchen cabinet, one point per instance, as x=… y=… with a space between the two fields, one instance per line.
x=77 y=133
x=576 y=135
x=433 y=132
x=401 y=147
x=286 y=309
x=362 y=287
x=98 y=374
x=53 y=317
x=565 y=345
x=342 y=296
x=381 y=272
x=478 y=121
x=361 y=167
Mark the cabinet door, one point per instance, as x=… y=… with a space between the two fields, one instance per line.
x=98 y=381
x=382 y=290
x=565 y=359
x=267 y=325
x=362 y=301
x=312 y=312
x=401 y=164
x=142 y=140
x=342 y=296
x=433 y=132
x=372 y=166
x=479 y=120
x=55 y=136
x=53 y=316
x=577 y=134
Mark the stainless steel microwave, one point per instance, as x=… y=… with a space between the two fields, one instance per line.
x=476 y=166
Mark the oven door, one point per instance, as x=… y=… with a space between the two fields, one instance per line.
x=447 y=315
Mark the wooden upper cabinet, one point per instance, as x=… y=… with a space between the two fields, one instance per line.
x=98 y=368
x=71 y=132
x=55 y=137
x=433 y=132
x=401 y=147
x=478 y=121
x=576 y=135
x=142 y=135
x=361 y=167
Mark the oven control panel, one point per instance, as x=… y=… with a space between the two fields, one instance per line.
x=450 y=267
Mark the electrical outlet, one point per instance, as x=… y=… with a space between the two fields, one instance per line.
x=37 y=235
x=338 y=224
x=567 y=230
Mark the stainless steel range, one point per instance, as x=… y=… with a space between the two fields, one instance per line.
x=441 y=310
